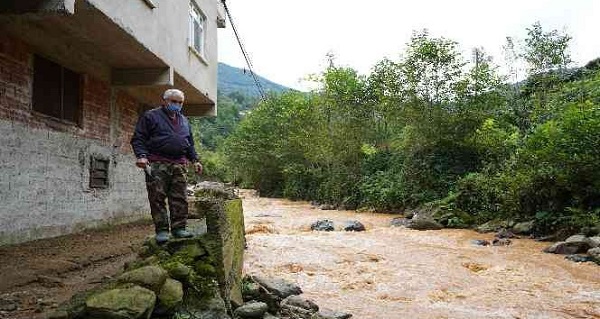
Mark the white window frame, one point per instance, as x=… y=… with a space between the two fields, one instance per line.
x=197 y=25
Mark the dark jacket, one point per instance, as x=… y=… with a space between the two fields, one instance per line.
x=155 y=134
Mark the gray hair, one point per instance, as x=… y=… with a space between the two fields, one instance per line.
x=173 y=92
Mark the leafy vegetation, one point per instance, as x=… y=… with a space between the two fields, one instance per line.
x=431 y=129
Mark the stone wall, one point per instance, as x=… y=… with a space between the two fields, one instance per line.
x=45 y=162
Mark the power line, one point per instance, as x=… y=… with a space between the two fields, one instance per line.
x=259 y=86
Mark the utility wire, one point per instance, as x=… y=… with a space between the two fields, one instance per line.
x=259 y=86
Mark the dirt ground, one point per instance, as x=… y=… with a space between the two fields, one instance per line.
x=35 y=277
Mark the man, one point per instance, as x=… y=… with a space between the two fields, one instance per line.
x=163 y=145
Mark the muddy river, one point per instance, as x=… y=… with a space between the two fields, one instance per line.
x=393 y=272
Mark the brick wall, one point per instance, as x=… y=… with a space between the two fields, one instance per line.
x=45 y=162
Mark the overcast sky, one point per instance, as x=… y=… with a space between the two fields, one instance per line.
x=288 y=40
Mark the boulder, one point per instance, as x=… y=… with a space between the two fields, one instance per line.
x=124 y=303
x=594 y=241
x=523 y=228
x=480 y=242
x=575 y=238
x=300 y=302
x=424 y=224
x=493 y=226
x=568 y=248
x=278 y=287
x=170 y=295
x=579 y=258
x=595 y=254
x=298 y=307
x=354 y=225
x=322 y=225
x=151 y=277
x=504 y=233
x=269 y=316
x=501 y=242
x=400 y=221
x=178 y=271
x=251 y=310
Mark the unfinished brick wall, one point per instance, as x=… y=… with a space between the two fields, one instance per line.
x=45 y=162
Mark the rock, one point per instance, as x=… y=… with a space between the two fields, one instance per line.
x=250 y=291
x=575 y=238
x=524 y=228
x=409 y=214
x=326 y=207
x=424 y=224
x=186 y=247
x=400 y=221
x=269 y=316
x=300 y=302
x=278 y=287
x=569 y=248
x=322 y=225
x=501 y=242
x=251 y=310
x=151 y=277
x=170 y=295
x=480 y=242
x=179 y=271
x=594 y=241
x=595 y=254
x=330 y=314
x=298 y=307
x=579 y=258
x=125 y=303
x=492 y=226
x=504 y=233
x=8 y=304
x=354 y=225
x=214 y=190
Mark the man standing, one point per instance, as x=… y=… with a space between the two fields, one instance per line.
x=163 y=145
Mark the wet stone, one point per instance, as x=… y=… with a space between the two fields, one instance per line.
x=278 y=287
x=400 y=221
x=501 y=242
x=569 y=248
x=504 y=233
x=480 y=242
x=151 y=277
x=251 y=310
x=354 y=225
x=300 y=302
x=579 y=258
x=322 y=225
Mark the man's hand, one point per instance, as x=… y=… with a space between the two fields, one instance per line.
x=198 y=167
x=141 y=162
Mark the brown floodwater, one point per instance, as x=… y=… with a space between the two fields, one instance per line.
x=394 y=272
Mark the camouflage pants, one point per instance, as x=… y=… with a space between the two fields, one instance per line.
x=168 y=182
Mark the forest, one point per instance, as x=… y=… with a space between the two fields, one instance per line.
x=471 y=139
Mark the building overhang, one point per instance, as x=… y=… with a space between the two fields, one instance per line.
x=81 y=37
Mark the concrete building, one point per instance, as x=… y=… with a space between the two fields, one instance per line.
x=74 y=77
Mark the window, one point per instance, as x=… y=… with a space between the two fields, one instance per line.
x=197 y=29
x=56 y=90
x=99 y=172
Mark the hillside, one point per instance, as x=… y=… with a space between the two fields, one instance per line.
x=232 y=79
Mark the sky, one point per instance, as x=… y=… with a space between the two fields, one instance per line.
x=287 y=40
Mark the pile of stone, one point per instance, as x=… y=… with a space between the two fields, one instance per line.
x=175 y=280
x=267 y=298
x=579 y=248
